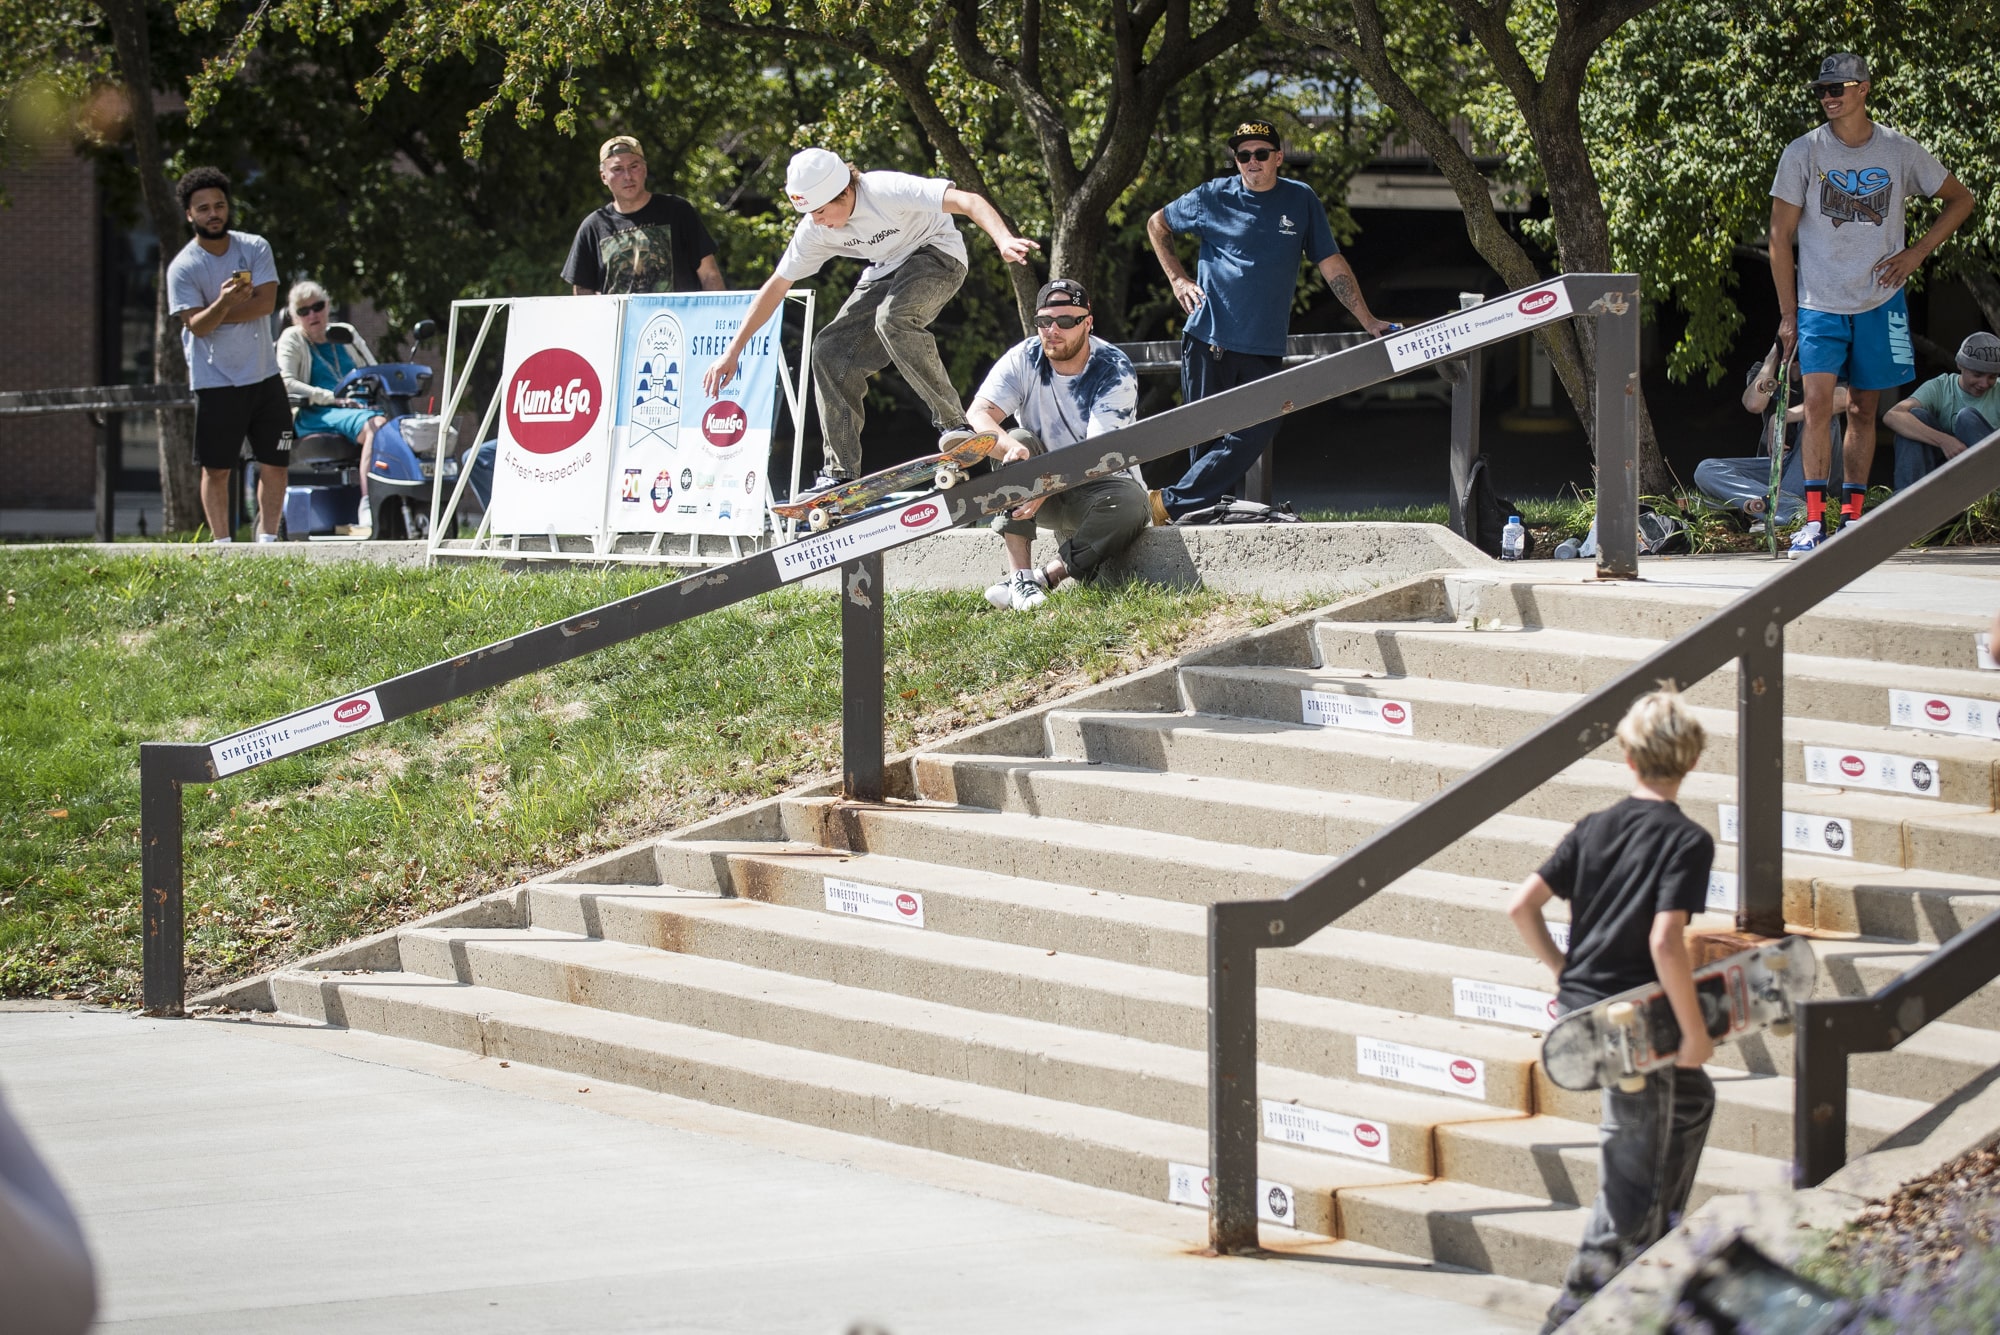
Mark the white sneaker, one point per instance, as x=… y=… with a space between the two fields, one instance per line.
x=824 y=480
x=1001 y=595
x=957 y=436
x=1030 y=589
x=1805 y=540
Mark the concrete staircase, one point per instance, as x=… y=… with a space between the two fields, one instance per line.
x=1006 y=964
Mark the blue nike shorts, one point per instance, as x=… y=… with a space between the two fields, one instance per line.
x=1870 y=351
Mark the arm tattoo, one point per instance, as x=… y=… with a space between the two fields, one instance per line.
x=1344 y=288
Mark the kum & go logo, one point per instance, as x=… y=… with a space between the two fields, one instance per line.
x=724 y=424
x=1537 y=302
x=553 y=401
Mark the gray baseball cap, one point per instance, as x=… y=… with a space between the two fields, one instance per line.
x=1840 y=67
x=1980 y=354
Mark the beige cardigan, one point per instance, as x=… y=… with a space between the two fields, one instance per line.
x=295 y=363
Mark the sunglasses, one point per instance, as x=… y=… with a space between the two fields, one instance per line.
x=1059 y=321
x=313 y=309
x=1834 y=89
x=1254 y=154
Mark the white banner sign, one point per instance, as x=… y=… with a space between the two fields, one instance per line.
x=307 y=728
x=555 y=424
x=858 y=537
x=1832 y=836
x=1982 y=648
x=1330 y=709
x=1331 y=1131
x=1188 y=1185
x=1871 y=769
x=1944 y=713
x=1454 y=333
x=1522 y=1007
x=1379 y=1059
x=874 y=901
x=1723 y=896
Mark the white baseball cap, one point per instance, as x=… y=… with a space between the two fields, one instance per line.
x=814 y=177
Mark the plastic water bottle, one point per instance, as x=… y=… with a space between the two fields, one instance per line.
x=1513 y=539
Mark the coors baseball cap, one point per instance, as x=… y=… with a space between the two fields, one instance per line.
x=1063 y=292
x=1255 y=129
x=620 y=143
x=1980 y=354
x=1840 y=67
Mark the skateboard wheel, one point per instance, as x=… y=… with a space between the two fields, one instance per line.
x=947 y=477
x=1631 y=1084
x=1781 y=1029
x=1620 y=1014
x=818 y=520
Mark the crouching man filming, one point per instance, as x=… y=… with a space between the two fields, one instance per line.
x=1061 y=387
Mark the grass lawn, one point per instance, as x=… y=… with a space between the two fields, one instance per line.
x=106 y=652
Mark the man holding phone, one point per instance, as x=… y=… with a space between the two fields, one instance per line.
x=223 y=287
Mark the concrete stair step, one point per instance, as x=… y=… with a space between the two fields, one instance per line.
x=1156 y=1081
x=1312 y=1034
x=1557 y=1160
x=1886 y=633
x=1579 y=661
x=1455 y=1223
x=1497 y=716
x=1072 y=1141
x=1888 y=828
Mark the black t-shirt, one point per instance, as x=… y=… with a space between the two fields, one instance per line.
x=629 y=252
x=1617 y=868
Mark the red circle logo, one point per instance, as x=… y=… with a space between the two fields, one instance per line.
x=1462 y=1072
x=1552 y=1008
x=1938 y=710
x=906 y=905
x=350 y=711
x=919 y=515
x=1394 y=713
x=724 y=424
x=1537 y=302
x=1366 y=1136
x=553 y=401
x=1853 y=766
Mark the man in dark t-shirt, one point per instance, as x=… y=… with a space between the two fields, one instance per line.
x=1634 y=874
x=640 y=241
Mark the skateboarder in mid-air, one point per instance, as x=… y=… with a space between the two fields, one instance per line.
x=1633 y=875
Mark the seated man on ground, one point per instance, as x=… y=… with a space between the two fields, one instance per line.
x=1744 y=485
x=1948 y=413
x=1062 y=387
x=313 y=365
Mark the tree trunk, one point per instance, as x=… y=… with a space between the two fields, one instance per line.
x=180 y=481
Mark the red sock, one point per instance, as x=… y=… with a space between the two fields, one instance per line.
x=1815 y=502
x=1852 y=498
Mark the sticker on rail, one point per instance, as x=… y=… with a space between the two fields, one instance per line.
x=1835 y=768
x=874 y=901
x=1334 y=1132
x=1330 y=709
x=859 y=537
x=1455 y=333
x=1944 y=713
x=1799 y=831
x=285 y=736
x=1188 y=1185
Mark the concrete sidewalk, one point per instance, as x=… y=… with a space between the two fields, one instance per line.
x=239 y=1177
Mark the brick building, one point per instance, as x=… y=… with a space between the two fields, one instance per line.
x=61 y=327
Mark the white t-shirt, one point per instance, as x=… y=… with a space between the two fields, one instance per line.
x=895 y=215
x=1061 y=410
x=234 y=353
x=1853 y=201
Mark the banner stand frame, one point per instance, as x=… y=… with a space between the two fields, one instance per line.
x=795 y=386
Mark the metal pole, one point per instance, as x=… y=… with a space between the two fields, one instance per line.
x=1760 y=780
x=1468 y=384
x=160 y=880
x=107 y=473
x=1232 y=1083
x=1819 y=1070
x=1617 y=433
x=861 y=670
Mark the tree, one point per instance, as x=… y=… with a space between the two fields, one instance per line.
x=1539 y=57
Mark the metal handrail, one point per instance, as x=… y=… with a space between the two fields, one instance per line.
x=165 y=767
x=1750 y=630
x=94 y=399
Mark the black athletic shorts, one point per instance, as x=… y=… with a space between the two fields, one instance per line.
x=223 y=416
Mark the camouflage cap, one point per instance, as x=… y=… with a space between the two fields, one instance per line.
x=620 y=143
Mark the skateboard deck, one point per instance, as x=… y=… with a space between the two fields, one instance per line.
x=1623 y=1039
x=823 y=509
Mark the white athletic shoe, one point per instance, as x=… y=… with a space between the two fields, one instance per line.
x=1001 y=595
x=1805 y=540
x=1030 y=589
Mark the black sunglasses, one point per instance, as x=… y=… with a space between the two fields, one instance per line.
x=313 y=309
x=1834 y=89
x=1254 y=154
x=1059 y=321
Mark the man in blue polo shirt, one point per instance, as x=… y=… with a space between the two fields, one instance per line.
x=1253 y=229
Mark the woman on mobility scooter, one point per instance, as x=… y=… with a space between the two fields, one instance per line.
x=313 y=365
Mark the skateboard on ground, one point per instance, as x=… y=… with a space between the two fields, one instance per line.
x=1623 y=1039
x=822 y=509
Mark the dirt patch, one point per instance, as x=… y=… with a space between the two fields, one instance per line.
x=1928 y=1226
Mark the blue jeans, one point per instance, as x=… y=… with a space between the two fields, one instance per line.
x=1219 y=465
x=1916 y=459
x=1649 y=1144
